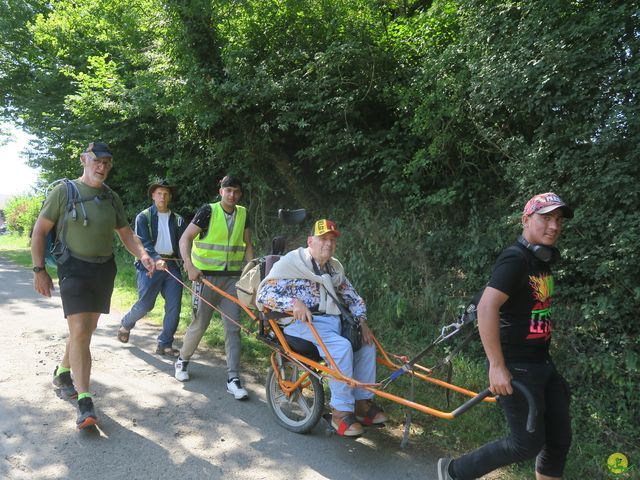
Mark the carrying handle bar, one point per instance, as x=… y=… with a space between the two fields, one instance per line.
x=531 y=416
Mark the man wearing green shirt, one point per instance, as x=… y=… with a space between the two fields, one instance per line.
x=86 y=275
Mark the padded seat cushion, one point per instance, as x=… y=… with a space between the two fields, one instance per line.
x=303 y=347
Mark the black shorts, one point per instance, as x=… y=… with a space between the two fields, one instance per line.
x=86 y=287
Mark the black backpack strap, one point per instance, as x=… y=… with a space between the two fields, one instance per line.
x=105 y=194
x=59 y=248
x=147 y=214
x=73 y=198
x=72 y=194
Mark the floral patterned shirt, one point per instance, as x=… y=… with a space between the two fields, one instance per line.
x=280 y=294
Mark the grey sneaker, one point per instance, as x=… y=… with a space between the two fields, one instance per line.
x=86 y=413
x=443 y=469
x=181 y=370
x=64 y=385
x=234 y=387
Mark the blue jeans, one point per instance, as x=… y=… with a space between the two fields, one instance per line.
x=550 y=442
x=360 y=365
x=148 y=290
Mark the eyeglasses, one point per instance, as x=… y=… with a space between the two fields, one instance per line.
x=106 y=163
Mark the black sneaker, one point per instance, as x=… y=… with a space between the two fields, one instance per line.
x=86 y=413
x=443 y=469
x=64 y=384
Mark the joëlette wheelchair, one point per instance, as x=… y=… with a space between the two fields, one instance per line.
x=294 y=384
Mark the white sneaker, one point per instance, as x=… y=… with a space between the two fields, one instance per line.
x=234 y=387
x=181 y=370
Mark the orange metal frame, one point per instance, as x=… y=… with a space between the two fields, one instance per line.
x=332 y=370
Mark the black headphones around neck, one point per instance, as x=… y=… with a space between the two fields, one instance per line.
x=541 y=252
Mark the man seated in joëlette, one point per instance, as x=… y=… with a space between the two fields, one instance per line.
x=298 y=283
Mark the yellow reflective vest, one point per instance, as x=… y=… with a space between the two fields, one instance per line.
x=218 y=250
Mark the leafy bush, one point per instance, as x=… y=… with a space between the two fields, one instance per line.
x=21 y=213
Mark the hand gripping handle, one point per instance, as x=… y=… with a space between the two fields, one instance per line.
x=531 y=416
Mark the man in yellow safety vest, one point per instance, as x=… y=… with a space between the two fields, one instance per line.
x=215 y=246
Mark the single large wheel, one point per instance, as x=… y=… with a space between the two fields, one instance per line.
x=299 y=411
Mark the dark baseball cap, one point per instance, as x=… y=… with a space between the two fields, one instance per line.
x=99 y=149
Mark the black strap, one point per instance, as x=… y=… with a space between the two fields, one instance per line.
x=448 y=391
x=343 y=309
x=316 y=267
x=407 y=415
x=71 y=195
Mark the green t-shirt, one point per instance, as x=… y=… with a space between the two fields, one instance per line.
x=96 y=238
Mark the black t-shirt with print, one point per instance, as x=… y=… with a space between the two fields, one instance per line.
x=525 y=318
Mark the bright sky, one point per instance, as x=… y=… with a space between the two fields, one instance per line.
x=15 y=176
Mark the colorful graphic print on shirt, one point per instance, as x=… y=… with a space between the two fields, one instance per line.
x=541 y=326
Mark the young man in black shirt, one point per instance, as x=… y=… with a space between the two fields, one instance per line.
x=514 y=320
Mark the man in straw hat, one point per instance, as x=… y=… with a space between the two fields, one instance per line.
x=159 y=229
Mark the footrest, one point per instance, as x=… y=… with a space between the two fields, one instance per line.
x=329 y=429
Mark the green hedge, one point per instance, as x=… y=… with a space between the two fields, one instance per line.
x=21 y=213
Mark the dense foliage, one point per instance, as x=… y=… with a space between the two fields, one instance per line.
x=21 y=212
x=422 y=127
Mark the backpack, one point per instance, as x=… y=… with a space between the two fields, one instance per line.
x=147 y=213
x=252 y=274
x=56 y=250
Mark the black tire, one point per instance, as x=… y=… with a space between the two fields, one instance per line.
x=299 y=412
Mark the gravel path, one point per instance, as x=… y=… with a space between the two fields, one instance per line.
x=152 y=426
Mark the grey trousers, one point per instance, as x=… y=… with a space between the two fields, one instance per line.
x=201 y=317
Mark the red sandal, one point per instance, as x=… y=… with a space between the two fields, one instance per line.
x=346 y=424
x=374 y=414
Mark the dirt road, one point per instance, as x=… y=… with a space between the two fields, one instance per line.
x=152 y=426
